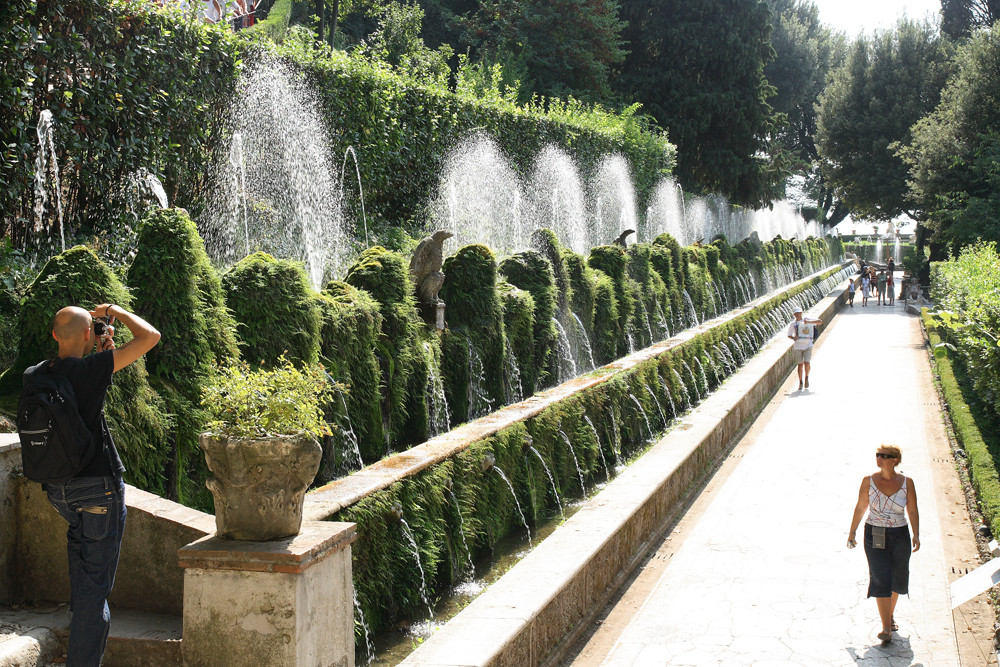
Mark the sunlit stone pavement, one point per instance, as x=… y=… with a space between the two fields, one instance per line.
x=764 y=577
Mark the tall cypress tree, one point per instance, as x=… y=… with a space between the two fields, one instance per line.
x=698 y=68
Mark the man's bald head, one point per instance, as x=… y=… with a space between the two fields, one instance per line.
x=70 y=323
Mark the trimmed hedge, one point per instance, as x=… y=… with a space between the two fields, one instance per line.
x=975 y=428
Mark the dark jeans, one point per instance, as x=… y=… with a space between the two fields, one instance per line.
x=95 y=510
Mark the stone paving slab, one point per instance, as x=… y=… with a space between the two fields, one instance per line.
x=764 y=577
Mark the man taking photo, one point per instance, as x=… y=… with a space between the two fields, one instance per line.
x=93 y=501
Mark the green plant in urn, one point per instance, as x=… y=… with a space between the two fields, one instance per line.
x=261 y=446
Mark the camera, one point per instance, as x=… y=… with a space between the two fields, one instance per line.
x=101 y=326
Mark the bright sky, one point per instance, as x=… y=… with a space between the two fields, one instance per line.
x=856 y=16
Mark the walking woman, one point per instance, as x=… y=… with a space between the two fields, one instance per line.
x=886 y=494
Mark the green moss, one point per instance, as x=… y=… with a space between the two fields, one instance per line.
x=474 y=313
x=175 y=286
x=546 y=242
x=351 y=326
x=385 y=276
x=275 y=309
x=607 y=324
x=136 y=413
x=581 y=280
x=531 y=272
x=611 y=260
x=519 y=322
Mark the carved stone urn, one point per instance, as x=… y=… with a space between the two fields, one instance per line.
x=259 y=484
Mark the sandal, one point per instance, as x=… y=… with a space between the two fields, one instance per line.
x=885 y=637
x=892 y=624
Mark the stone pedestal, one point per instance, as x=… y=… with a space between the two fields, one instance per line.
x=439 y=315
x=284 y=602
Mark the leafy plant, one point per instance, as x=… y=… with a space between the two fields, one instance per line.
x=248 y=403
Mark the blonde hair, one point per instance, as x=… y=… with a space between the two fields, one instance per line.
x=892 y=449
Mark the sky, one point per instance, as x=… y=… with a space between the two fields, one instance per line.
x=856 y=16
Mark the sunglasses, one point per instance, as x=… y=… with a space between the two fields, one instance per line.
x=882 y=455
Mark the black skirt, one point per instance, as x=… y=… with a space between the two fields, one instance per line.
x=888 y=568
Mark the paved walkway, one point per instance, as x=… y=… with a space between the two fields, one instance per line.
x=762 y=575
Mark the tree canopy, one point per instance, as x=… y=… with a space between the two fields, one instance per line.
x=959 y=18
x=698 y=69
x=954 y=158
x=887 y=83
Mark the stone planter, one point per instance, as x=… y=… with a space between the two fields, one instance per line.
x=259 y=484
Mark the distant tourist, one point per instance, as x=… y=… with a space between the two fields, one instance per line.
x=890 y=265
x=890 y=288
x=866 y=288
x=803 y=331
x=886 y=494
x=881 y=288
x=93 y=499
x=851 y=289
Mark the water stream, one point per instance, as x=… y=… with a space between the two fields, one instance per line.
x=552 y=481
x=576 y=461
x=408 y=533
x=516 y=502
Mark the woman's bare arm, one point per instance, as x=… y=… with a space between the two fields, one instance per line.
x=912 y=513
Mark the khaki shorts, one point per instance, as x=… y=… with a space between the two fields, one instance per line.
x=803 y=356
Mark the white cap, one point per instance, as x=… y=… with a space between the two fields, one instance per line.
x=796 y=310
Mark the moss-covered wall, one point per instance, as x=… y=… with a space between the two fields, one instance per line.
x=532 y=272
x=605 y=423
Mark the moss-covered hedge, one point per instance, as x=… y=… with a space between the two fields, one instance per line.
x=173 y=284
x=275 y=310
x=579 y=437
x=976 y=427
x=532 y=272
x=136 y=414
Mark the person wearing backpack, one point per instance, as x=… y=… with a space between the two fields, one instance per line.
x=803 y=331
x=92 y=498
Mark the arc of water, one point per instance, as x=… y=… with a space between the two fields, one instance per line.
x=692 y=313
x=597 y=439
x=408 y=533
x=479 y=402
x=461 y=532
x=616 y=438
x=694 y=381
x=349 y=436
x=517 y=503
x=585 y=340
x=643 y=412
x=513 y=388
x=439 y=415
x=47 y=148
x=659 y=406
x=361 y=192
x=239 y=164
x=576 y=461
x=565 y=352
x=369 y=647
x=684 y=391
x=701 y=372
x=552 y=481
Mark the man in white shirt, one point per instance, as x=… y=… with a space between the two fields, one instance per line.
x=803 y=331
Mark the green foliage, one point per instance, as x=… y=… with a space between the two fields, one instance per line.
x=475 y=316
x=135 y=413
x=887 y=83
x=276 y=24
x=349 y=336
x=386 y=277
x=553 y=48
x=607 y=328
x=610 y=260
x=518 y=321
x=275 y=309
x=175 y=286
x=975 y=425
x=397 y=42
x=959 y=18
x=954 y=158
x=129 y=87
x=531 y=271
x=246 y=403
x=698 y=68
x=969 y=287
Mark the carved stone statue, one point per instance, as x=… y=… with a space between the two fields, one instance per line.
x=425 y=267
x=624 y=235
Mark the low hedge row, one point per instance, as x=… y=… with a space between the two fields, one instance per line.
x=458 y=510
x=976 y=428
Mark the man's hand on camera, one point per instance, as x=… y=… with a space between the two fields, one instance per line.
x=108 y=341
x=102 y=311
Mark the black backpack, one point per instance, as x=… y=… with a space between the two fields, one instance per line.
x=55 y=441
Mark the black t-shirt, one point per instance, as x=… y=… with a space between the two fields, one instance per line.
x=91 y=377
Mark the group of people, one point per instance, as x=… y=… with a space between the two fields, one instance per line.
x=878 y=281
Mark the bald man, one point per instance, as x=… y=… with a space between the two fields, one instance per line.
x=93 y=502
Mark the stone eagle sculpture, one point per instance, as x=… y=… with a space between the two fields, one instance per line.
x=425 y=267
x=624 y=235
